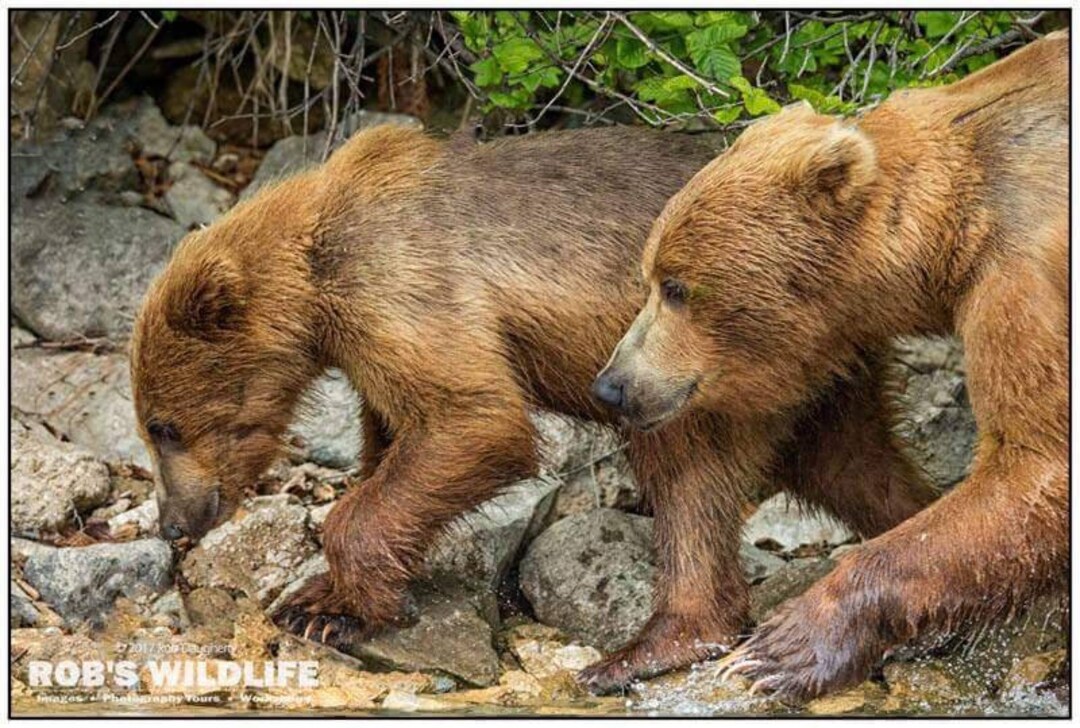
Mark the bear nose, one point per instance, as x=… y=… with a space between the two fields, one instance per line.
x=172 y=532
x=609 y=391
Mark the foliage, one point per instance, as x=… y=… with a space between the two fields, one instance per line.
x=725 y=66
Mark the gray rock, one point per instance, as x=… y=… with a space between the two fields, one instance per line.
x=154 y=136
x=591 y=575
x=193 y=198
x=296 y=153
x=20 y=338
x=144 y=516
x=85 y=396
x=450 y=637
x=81 y=269
x=312 y=567
x=23 y=611
x=789 y=581
x=479 y=548
x=329 y=422
x=780 y=524
x=758 y=564
x=83 y=583
x=51 y=480
x=23 y=548
x=938 y=424
x=73 y=161
x=258 y=552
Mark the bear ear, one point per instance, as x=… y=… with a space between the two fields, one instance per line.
x=208 y=302
x=838 y=169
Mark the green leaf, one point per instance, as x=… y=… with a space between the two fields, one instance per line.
x=936 y=22
x=519 y=98
x=631 y=53
x=547 y=77
x=756 y=101
x=677 y=20
x=475 y=29
x=170 y=15
x=659 y=88
x=711 y=53
x=486 y=72
x=515 y=54
x=728 y=115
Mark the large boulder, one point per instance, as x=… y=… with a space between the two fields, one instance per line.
x=591 y=575
x=51 y=481
x=81 y=269
x=95 y=157
x=85 y=396
x=82 y=584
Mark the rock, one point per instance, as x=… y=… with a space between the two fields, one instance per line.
x=91 y=158
x=193 y=198
x=81 y=269
x=399 y=700
x=20 y=338
x=329 y=422
x=51 y=480
x=83 y=583
x=312 y=567
x=317 y=515
x=591 y=575
x=24 y=548
x=85 y=396
x=923 y=684
x=566 y=444
x=170 y=605
x=479 y=548
x=23 y=611
x=1035 y=671
x=543 y=651
x=212 y=608
x=861 y=698
x=758 y=564
x=938 y=424
x=51 y=645
x=257 y=553
x=780 y=524
x=294 y=154
x=144 y=516
x=789 y=581
x=607 y=482
x=156 y=137
x=449 y=637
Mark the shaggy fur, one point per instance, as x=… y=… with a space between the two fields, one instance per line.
x=779 y=274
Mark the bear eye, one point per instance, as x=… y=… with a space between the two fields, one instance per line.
x=673 y=291
x=163 y=433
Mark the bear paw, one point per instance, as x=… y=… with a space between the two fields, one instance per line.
x=664 y=644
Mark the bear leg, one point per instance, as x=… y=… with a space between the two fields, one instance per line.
x=693 y=472
x=846 y=459
x=980 y=552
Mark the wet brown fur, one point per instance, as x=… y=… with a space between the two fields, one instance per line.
x=802 y=251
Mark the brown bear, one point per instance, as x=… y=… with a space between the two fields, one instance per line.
x=458 y=286
x=778 y=276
